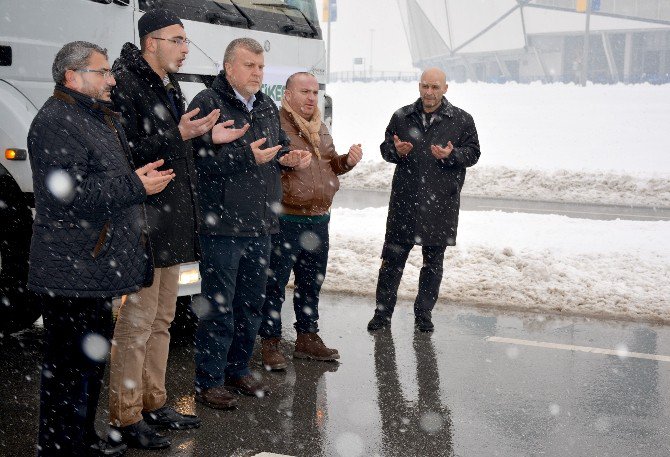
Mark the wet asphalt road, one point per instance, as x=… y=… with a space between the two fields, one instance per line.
x=359 y=199
x=401 y=393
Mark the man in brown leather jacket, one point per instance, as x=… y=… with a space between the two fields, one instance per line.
x=302 y=243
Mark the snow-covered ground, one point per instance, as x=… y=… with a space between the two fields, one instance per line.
x=600 y=144
x=522 y=261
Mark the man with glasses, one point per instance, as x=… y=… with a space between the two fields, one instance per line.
x=88 y=242
x=156 y=124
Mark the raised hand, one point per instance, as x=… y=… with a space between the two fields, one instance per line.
x=305 y=159
x=189 y=128
x=298 y=159
x=222 y=134
x=441 y=152
x=263 y=155
x=403 y=147
x=153 y=180
x=355 y=155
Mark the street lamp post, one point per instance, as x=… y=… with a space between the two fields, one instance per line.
x=587 y=49
x=372 y=34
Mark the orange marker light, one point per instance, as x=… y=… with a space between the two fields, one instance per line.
x=15 y=154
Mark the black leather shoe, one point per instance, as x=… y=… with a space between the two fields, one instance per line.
x=167 y=417
x=423 y=321
x=107 y=449
x=379 y=321
x=143 y=436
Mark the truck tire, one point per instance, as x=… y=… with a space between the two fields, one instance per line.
x=19 y=308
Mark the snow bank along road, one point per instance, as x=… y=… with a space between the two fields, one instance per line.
x=532 y=262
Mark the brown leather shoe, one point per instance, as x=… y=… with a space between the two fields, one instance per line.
x=310 y=346
x=248 y=385
x=273 y=360
x=216 y=397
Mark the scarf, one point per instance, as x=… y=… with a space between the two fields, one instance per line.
x=308 y=129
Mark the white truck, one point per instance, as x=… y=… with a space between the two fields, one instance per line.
x=32 y=31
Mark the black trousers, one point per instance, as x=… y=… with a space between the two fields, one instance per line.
x=76 y=345
x=394 y=257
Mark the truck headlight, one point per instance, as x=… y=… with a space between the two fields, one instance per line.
x=189 y=276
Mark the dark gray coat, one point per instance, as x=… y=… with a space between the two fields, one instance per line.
x=237 y=196
x=153 y=133
x=89 y=235
x=425 y=194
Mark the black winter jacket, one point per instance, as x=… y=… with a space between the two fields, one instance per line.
x=153 y=134
x=237 y=196
x=89 y=235
x=425 y=194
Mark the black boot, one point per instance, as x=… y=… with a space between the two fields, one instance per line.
x=167 y=417
x=143 y=436
x=423 y=320
x=379 y=321
x=100 y=447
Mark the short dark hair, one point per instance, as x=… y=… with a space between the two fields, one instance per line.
x=289 y=81
x=73 y=56
x=247 y=43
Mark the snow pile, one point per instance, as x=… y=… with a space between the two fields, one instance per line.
x=553 y=142
x=520 y=261
x=558 y=185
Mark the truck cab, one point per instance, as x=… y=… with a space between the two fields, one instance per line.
x=32 y=33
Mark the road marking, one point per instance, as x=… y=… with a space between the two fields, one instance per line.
x=563 y=211
x=269 y=454
x=570 y=347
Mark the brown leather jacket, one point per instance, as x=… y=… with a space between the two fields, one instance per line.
x=310 y=192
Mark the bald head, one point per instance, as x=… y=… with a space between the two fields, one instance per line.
x=434 y=74
x=432 y=87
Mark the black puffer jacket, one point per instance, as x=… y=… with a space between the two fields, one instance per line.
x=426 y=192
x=153 y=134
x=89 y=235
x=237 y=196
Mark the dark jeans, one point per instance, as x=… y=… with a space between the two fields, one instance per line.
x=394 y=257
x=76 y=343
x=234 y=274
x=303 y=248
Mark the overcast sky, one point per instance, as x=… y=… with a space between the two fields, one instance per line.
x=351 y=35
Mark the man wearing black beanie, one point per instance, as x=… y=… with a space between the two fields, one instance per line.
x=154 y=119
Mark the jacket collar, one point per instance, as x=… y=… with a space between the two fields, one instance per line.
x=446 y=109
x=131 y=59
x=73 y=97
x=223 y=87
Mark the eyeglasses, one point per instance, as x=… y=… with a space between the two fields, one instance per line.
x=176 y=41
x=105 y=73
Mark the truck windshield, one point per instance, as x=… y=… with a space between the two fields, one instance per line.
x=287 y=17
x=307 y=7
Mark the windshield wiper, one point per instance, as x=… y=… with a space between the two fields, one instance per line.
x=224 y=15
x=289 y=28
x=250 y=23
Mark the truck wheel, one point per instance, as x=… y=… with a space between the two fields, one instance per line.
x=19 y=308
x=185 y=322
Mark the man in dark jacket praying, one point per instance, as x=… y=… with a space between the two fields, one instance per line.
x=431 y=142
x=88 y=245
x=153 y=116
x=239 y=190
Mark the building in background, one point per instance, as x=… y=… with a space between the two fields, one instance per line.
x=541 y=40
